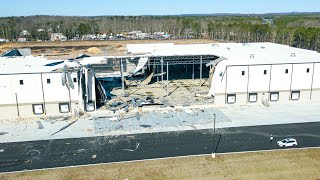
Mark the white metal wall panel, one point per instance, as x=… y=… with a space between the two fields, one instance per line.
x=74 y=93
x=7 y=95
x=258 y=81
x=236 y=82
x=30 y=91
x=316 y=76
x=55 y=91
x=301 y=79
x=279 y=79
x=218 y=84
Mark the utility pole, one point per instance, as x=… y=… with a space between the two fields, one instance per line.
x=200 y=69
x=122 y=77
x=192 y=69
x=214 y=136
x=167 y=79
x=161 y=71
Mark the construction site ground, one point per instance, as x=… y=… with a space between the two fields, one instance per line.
x=71 y=49
x=186 y=92
x=286 y=164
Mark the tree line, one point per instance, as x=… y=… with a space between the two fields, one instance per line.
x=301 y=31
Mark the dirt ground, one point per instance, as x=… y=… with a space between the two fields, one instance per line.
x=71 y=49
x=287 y=164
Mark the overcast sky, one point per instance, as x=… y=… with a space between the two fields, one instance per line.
x=149 y=7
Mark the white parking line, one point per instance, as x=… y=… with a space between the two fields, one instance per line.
x=176 y=157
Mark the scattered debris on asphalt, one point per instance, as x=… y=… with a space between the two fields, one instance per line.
x=40 y=126
x=3 y=133
x=65 y=127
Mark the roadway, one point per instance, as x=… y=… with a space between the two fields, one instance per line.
x=71 y=152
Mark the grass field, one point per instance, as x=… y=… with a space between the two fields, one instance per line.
x=286 y=164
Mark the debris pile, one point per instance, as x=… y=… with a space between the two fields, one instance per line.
x=94 y=50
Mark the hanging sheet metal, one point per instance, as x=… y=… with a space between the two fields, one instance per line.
x=142 y=62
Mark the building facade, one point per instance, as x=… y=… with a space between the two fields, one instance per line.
x=273 y=74
x=47 y=93
x=248 y=84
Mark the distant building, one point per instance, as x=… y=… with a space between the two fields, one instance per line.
x=120 y=36
x=2 y=40
x=137 y=35
x=57 y=37
x=161 y=35
x=22 y=39
x=88 y=37
x=267 y=21
x=24 y=33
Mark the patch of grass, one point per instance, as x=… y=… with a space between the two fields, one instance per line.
x=286 y=164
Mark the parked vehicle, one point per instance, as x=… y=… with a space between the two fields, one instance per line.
x=288 y=142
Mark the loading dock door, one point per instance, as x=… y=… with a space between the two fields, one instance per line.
x=274 y=96
x=64 y=107
x=295 y=95
x=231 y=98
x=38 y=109
x=253 y=97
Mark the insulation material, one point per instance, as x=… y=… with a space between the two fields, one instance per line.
x=148 y=79
x=142 y=62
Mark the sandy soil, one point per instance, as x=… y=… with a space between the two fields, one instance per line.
x=291 y=164
x=70 y=49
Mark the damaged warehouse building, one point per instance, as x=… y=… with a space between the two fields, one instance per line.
x=33 y=86
x=238 y=73
x=234 y=73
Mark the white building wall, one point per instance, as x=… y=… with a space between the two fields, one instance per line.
x=302 y=80
x=258 y=81
x=7 y=94
x=30 y=90
x=44 y=89
x=8 y=107
x=19 y=93
x=74 y=93
x=280 y=80
x=315 y=94
x=55 y=92
x=218 y=84
x=237 y=83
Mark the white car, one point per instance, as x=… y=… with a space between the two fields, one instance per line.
x=289 y=142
